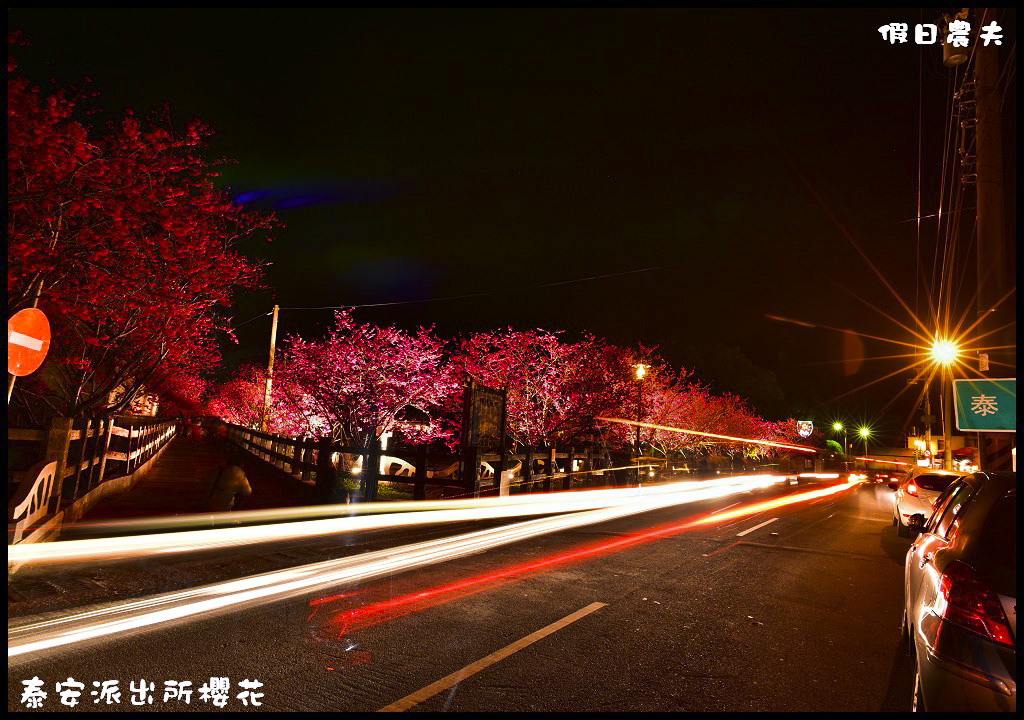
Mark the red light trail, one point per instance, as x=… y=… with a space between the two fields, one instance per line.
x=375 y=613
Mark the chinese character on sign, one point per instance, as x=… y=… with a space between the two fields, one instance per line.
x=216 y=690
x=70 y=690
x=175 y=690
x=142 y=691
x=248 y=694
x=984 y=404
x=992 y=31
x=109 y=690
x=926 y=34
x=33 y=694
x=894 y=32
x=959 y=30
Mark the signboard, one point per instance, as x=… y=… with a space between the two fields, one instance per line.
x=28 y=339
x=986 y=405
x=483 y=416
x=804 y=428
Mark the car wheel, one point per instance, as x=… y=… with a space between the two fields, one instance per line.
x=894 y=520
x=902 y=530
x=918 y=702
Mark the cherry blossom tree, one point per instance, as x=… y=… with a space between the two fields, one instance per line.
x=360 y=381
x=121 y=236
x=240 y=399
x=180 y=394
x=555 y=388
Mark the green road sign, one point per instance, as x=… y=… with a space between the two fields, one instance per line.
x=986 y=405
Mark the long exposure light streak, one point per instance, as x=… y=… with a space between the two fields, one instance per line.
x=877 y=460
x=384 y=610
x=668 y=428
x=245 y=517
x=427 y=513
x=246 y=592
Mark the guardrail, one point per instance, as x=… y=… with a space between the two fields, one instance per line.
x=318 y=461
x=76 y=461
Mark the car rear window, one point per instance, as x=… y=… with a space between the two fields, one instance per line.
x=935 y=483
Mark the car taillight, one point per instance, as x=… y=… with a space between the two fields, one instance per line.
x=966 y=600
x=912 y=489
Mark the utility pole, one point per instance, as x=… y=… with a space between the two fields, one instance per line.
x=993 y=266
x=270 y=372
x=928 y=421
x=947 y=419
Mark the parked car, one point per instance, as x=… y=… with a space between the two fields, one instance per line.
x=960 y=616
x=916 y=494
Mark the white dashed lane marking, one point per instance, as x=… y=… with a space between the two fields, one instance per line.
x=750 y=530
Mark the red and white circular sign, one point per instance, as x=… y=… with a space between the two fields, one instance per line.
x=28 y=339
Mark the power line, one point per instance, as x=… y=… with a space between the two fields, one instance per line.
x=266 y=314
x=481 y=294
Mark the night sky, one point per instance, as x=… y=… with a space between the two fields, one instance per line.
x=426 y=154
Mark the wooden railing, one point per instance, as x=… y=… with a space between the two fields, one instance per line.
x=316 y=461
x=76 y=457
x=27 y=513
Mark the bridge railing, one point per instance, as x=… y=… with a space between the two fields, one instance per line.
x=319 y=462
x=74 y=458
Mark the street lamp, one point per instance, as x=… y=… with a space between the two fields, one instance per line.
x=944 y=352
x=640 y=371
x=865 y=433
x=838 y=427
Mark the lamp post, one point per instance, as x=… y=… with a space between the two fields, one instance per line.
x=865 y=433
x=641 y=373
x=944 y=353
x=838 y=427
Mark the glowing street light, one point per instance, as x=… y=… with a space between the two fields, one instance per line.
x=865 y=433
x=641 y=373
x=839 y=428
x=944 y=352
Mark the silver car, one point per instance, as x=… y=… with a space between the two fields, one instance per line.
x=917 y=493
x=960 y=617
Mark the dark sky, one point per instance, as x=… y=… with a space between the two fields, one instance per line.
x=424 y=154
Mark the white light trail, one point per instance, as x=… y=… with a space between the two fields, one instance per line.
x=427 y=513
x=701 y=433
x=206 y=520
x=35 y=637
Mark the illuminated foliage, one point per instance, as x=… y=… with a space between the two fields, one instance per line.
x=555 y=389
x=128 y=244
x=240 y=400
x=361 y=381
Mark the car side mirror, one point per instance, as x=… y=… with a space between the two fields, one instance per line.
x=916 y=523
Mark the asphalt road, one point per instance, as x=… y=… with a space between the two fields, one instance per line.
x=793 y=609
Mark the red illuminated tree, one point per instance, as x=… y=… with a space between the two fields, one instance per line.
x=126 y=241
x=240 y=399
x=555 y=389
x=673 y=399
x=360 y=381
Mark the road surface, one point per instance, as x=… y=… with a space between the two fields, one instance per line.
x=796 y=608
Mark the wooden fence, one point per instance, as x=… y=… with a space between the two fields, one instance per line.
x=76 y=457
x=317 y=461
